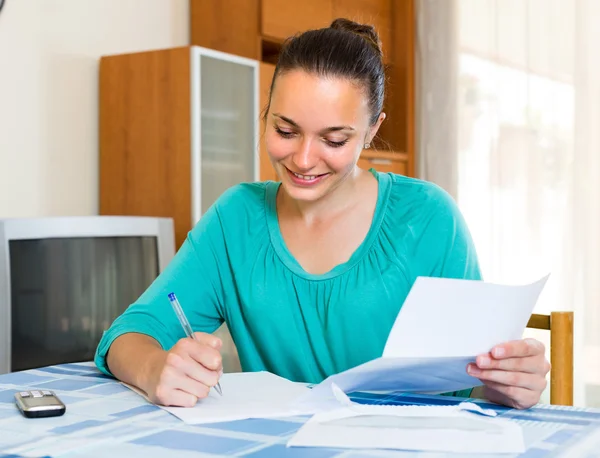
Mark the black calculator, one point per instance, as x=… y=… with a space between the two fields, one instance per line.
x=39 y=403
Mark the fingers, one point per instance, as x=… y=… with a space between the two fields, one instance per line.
x=182 y=382
x=184 y=365
x=204 y=354
x=518 y=349
x=200 y=373
x=514 y=373
x=189 y=371
x=178 y=398
x=526 y=380
x=208 y=339
x=513 y=396
x=176 y=389
x=533 y=365
x=194 y=387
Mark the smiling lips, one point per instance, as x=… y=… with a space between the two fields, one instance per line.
x=306 y=180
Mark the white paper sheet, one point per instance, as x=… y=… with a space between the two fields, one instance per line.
x=435 y=429
x=245 y=395
x=464 y=428
x=442 y=326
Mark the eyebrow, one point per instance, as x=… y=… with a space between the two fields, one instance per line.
x=328 y=129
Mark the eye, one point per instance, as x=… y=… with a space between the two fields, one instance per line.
x=336 y=144
x=284 y=133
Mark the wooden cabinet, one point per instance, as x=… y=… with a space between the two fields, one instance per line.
x=281 y=19
x=226 y=25
x=266 y=71
x=384 y=162
x=399 y=129
x=373 y=12
x=174 y=132
x=257 y=29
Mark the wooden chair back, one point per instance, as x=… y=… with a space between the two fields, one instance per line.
x=560 y=325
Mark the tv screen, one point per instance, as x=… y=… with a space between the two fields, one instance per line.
x=66 y=291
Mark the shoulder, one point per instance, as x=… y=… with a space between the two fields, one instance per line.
x=425 y=220
x=241 y=205
x=419 y=200
x=241 y=197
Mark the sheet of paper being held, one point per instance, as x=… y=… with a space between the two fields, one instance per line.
x=441 y=327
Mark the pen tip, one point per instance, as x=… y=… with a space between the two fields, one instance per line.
x=171 y=296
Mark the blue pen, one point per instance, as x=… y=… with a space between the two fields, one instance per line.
x=186 y=326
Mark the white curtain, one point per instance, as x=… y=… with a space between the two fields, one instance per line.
x=509 y=123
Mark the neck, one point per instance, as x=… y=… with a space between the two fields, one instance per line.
x=337 y=200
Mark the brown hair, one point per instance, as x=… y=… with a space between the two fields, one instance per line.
x=345 y=49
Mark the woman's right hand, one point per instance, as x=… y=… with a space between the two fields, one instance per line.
x=185 y=373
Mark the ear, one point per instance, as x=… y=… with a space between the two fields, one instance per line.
x=375 y=127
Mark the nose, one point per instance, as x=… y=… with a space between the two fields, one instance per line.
x=307 y=156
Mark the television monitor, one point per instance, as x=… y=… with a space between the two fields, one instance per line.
x=63 y=280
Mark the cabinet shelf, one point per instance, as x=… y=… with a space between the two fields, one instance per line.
x=385 y=161
x=385 y=155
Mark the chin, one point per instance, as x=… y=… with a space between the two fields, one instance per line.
x=304 y=194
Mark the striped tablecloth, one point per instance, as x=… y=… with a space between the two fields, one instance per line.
x=106 y=419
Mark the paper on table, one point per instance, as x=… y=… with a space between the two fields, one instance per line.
x=245 y=395
x=435 y=429
x=455 y=428
x=442 y=326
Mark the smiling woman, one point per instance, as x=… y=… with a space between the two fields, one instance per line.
x=315 y=145
x=309 y=272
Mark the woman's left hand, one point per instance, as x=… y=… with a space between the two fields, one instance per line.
x=513 y=373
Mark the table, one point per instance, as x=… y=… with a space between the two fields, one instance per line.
x=106 y=419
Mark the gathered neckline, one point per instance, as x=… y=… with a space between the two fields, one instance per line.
x=286 y=257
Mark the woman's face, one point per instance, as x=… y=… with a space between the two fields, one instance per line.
x=315 y=131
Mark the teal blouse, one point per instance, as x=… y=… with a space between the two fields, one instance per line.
x=234 y=267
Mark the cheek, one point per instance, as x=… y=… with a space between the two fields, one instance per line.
x=277 y=147
x=342 y=160
x=346 y=156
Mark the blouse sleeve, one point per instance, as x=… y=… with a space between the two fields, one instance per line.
x=194 y=276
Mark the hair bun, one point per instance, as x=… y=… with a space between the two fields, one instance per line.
x=366 y=31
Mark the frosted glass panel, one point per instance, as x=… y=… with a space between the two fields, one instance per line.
x=65 y=292
x=228 y=121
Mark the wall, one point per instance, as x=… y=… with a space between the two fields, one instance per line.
x=49 y=53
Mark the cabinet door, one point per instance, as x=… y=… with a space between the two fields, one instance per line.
x=266 y=71
x=282 y=18
x=224 y=126
x=226 y=25
x=373 y=12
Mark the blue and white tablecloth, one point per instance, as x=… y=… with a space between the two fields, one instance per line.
x=106 y=419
